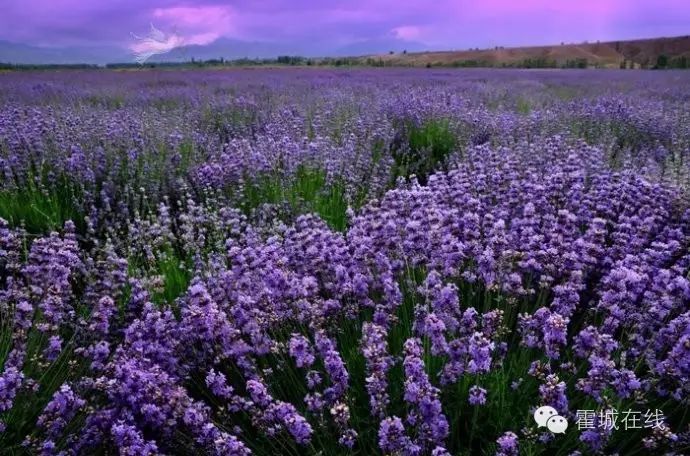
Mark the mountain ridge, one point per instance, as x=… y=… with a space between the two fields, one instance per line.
x=384 y=51
x=226 y=48
x=637 y=53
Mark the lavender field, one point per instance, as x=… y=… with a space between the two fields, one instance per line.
x=324 y=262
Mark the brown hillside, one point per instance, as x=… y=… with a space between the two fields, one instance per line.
x=640 y=53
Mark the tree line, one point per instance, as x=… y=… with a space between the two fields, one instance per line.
x=662 y=62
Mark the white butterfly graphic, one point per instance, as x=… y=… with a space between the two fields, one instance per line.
x=156 y=42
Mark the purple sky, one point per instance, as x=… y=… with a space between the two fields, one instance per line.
x=438 y=24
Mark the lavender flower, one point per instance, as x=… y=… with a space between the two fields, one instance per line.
x=300 y=350
x=227 y=224
x=507 y=444
x=477 y=395
x=426 y=413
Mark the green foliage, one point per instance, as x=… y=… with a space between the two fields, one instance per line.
x=290 y=60
x=625 y=136
x=539 y=62
x=40 y=206
x=108 y=101
x=48 y=66
x=308 y=190
x=471 y=63
x=680 y=63
x=523 y=106
x=428 y=146
x=661 y=61
x=176 y=277
x=376 y=62
x=48 y=376
x=173 y=268
x=296 y=60
x=564 y=93
x=229 y=122
x=577 y=63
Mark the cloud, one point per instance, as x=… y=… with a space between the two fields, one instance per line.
x=407 y=32
x=198 y=16
x=446 y=24
x=199 y=24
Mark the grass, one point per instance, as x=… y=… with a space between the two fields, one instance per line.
x=176 y=277
x=428 y=146
x=564 y=93
x=49 y=376
x=523 y=106
x=307 y=191
x=172 y=267
x=41 y=208
x=626 y=136
x=230 y=121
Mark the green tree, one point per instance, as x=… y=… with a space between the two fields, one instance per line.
x=662 y=61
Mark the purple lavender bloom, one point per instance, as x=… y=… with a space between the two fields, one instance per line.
x=507 y=444
x=217 y=383
x=278 y=412
x=335 y=367
x=379 y=362
x=129 y=440
x=301 y=351
x=348 y=439
x=313 y=379
x=392 y=437
x=477 y=395
x=10 y=382
x=553 y=393
x=434 y=327
x=169 y=296
x=61 y=409
x=440 y=451
x=53 y=349
x=426 y=410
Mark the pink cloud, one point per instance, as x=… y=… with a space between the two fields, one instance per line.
x=407 y=32
x=202 y=38
x=199 y=24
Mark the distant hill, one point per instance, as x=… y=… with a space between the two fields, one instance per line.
x=36 y=55
x=644 y=53
x=378 y=45
x=386 y=51
x=226 y=48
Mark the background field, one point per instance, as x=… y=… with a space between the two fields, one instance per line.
x=326 y=261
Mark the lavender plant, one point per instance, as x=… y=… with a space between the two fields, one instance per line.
x=386 y=262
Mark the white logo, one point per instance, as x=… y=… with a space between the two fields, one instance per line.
x=557 y=424
x=156 y=42
x=548 y=417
